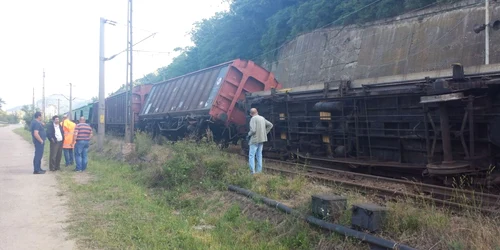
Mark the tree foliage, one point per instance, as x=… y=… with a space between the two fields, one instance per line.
x=254 y=29
x=2 y=102
x=28 y=116
x=8 y=118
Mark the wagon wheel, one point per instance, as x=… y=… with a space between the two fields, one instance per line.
x=242 y=148
x=209 y=134
x=222 y=144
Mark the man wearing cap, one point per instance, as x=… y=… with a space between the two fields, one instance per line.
x=68 y=145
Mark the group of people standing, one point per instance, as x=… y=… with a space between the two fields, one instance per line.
x=65 y=138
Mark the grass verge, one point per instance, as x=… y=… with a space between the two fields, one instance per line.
x=166 y=196
x=180 y=204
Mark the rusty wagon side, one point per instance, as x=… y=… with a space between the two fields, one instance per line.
x=209 y=100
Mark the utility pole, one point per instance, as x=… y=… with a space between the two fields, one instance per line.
x=487 y=34
x=129 y=116
x=102 y=59
x=43 y=96
x=33 y=107
x=131 y=79
x=58 y=106
x=494 y=25
x=127 y=112
x=70 y=99
x=100 y=127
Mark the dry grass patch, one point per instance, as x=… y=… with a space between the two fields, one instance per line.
x=413 y=223
x=82 y=178
x=175 y=196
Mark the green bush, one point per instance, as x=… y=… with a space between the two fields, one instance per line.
x=143 y=144
x=187 y=165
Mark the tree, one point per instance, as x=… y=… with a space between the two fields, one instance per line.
x=28 y=115
x=2 y=102
x=255 y=29
x=8 y=118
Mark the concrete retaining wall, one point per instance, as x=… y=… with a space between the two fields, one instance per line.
x=431 y=39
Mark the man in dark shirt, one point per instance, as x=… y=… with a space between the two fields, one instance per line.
x=83 y=134
x=38 y=136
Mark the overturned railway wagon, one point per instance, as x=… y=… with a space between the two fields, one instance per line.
x=206 y=102
x=441 y=123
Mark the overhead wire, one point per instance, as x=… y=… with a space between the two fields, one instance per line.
x=314 y=49
x=341 y=29
x=426 y=47
x=340 y=18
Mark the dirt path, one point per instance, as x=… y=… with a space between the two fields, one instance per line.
x=32 y=210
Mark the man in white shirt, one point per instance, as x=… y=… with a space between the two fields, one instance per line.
x=259 y=128
x=55 y=134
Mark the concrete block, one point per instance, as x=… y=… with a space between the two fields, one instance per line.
x=328 y=207
x=367 y=216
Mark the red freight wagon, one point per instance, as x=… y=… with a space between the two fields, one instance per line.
x=209 y=100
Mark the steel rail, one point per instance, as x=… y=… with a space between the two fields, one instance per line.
x=437 y=195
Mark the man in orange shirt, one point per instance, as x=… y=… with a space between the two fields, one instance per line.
x=68 y=145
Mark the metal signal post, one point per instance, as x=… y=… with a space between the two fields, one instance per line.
x=494 y=25
x=487 y=33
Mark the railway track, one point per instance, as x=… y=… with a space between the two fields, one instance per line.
x=454 y=198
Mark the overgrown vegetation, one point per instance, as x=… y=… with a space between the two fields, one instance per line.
x=173 y=196
x=255 y=29
x=6 y=118
x=185 y=166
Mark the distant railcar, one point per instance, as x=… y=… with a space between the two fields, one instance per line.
x=85 y=111
x=116 y=106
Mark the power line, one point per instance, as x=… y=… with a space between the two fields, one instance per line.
x=340 y=18
x=113 y=56
x=374 y=67
x=153 y=52
x=426 y=47
x=403 y=39
x=135 y=27
x=350 y=14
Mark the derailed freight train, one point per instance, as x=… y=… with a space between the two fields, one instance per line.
x=208 y=102
x=115 y=107
x=440 y=123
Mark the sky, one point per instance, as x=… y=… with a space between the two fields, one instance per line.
x=62 y=38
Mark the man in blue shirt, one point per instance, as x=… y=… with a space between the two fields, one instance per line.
x=38 y=135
